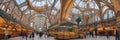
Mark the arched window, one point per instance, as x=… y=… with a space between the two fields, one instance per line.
x=109 y=14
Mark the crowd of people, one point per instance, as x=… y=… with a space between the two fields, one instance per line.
x=31 y=35
x=94 y=34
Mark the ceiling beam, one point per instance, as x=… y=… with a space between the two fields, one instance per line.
x=100 y=14
x=66 y=6
x=110 y=5
x=23 y=4
x=37 y=9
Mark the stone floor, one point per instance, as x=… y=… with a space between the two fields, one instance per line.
x=51 y=38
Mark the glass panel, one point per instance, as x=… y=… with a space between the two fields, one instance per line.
x=24 y=7
x=20 y=1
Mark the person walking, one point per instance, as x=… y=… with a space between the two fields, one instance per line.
x=23 y=34
x=32 y=36
x=108 y=35
x=40 y=34
x=26 y=34
x=6 y=34
x=95 y=31
x=116 y=34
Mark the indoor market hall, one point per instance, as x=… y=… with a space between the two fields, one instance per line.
x=59 y=19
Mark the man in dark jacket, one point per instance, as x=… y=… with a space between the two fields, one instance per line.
x=40 y=34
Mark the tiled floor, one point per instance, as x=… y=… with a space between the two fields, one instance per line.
x=51 y=38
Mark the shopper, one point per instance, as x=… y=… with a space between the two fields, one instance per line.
x=6 y=34
x=40 y=34
x=26 y=34
x=91 y=33
x=108 y=35
x=9 y=36
x=32 y=35
x=96 y=31
x=23 y=34
x=116 y=34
